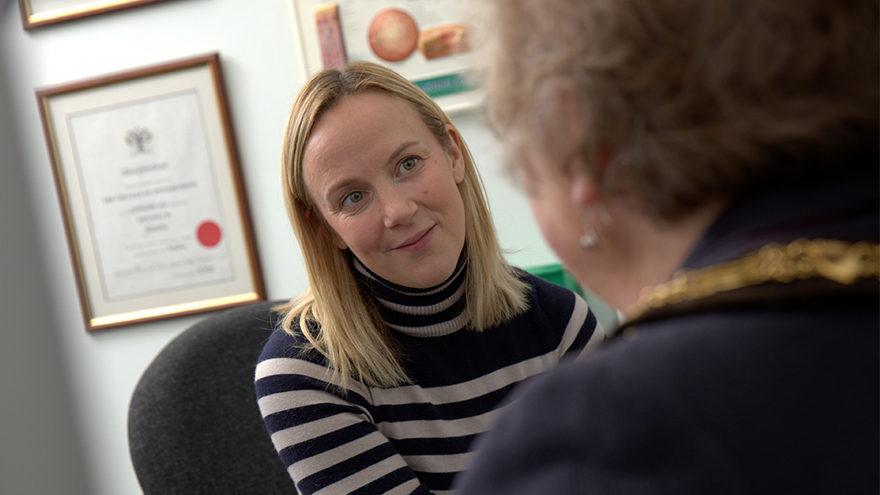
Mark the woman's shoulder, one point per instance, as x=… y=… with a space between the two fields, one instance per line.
x=290 y=343
x=288 y=363
x=555 y=308
x=547 y=294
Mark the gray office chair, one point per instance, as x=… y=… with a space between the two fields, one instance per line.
x=194 y=426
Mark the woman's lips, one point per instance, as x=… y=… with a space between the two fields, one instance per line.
x=419 y=242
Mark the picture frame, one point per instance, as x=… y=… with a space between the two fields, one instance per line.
x=334 y=32
x=35 y=13
x=150 y=187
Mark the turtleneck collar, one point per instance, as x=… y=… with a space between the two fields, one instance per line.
x=432 y=312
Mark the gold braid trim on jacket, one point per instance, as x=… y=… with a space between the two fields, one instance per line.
x=834 y=266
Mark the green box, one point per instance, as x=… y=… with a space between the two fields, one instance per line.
x=557 y=274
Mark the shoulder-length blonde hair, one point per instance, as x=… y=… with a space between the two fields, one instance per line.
x=349 y=332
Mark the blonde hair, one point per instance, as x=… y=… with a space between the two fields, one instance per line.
x=694 y=99
x=349 y=332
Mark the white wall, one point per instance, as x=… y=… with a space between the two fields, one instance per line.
x=258 y=50
x=36 y=411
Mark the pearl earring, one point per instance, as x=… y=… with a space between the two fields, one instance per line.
x=590 y=240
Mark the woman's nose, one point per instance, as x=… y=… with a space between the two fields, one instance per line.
x=398 y=208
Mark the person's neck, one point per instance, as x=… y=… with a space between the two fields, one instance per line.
x=654 y=250
x=431 y=312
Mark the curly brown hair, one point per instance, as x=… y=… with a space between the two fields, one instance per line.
x=696 y=99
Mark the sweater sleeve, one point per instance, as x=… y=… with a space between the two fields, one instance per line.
x=583 y=332
x=323 y=429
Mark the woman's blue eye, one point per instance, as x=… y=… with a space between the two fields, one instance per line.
x=409 y=164
x=353 y=198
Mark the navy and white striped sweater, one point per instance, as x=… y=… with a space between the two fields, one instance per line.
x=412 y=439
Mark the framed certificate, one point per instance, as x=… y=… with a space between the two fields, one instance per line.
x=426 y=41
x=42 y=12
x=149 y=182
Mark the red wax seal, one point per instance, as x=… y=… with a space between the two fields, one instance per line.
x=209 y=234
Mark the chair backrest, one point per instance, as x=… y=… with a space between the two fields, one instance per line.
x=194 y=426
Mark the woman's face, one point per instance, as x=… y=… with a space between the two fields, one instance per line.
x=550 y=198
x=556 y=198
x=387 y=188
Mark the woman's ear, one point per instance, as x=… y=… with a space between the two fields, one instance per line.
x=584 y=189
x=455 y=153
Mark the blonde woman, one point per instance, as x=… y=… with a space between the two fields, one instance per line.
x=711 y=167
x=414 y=328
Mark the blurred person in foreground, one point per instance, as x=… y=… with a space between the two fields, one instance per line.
x=710 y=167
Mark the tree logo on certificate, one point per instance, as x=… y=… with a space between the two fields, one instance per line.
x=138 y=138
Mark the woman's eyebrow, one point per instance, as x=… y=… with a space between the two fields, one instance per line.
x=332 y=191
x=400 y=149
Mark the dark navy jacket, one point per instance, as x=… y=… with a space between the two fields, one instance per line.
x=762 y=400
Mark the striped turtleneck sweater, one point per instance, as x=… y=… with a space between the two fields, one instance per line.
x=431 y=312
x=344 y=437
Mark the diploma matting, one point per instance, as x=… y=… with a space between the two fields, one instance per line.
x=150 y=187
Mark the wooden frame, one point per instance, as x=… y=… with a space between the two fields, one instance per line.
x=149 y=183
x=35 y=13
